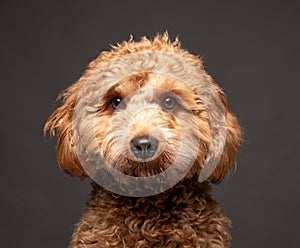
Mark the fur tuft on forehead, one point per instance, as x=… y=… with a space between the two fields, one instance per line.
x=160 y=43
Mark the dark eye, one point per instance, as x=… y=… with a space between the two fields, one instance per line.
x=114 y=103
x=169 y=103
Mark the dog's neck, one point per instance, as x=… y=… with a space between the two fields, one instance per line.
x=188 y=192
x=186 y=211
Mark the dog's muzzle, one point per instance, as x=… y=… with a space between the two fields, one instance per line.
x=144 y=147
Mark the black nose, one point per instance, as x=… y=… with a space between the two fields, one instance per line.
x=144 y=147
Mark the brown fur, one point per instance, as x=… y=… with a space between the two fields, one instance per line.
x=183 y=216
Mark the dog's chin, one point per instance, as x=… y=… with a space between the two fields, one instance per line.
x=140 y=167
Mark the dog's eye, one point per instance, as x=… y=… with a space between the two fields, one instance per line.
x=169 y=103
x=114 y=103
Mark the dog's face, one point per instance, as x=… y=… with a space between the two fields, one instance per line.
x=141 y=121
x=146 y=121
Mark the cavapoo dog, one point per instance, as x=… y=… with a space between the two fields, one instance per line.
x=152 y=130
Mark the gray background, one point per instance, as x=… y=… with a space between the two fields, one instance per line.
x=250 y=48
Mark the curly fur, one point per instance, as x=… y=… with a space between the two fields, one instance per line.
x=183 y=216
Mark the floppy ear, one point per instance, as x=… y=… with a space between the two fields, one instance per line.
x=59 y=124
x=232 y=143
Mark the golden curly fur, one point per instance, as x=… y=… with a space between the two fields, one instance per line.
x=184 y=215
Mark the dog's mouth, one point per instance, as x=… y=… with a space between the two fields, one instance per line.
x=143 y=167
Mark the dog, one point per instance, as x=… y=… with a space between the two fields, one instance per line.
x=153 y=131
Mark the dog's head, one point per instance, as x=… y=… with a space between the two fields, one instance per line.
x=145 y=106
